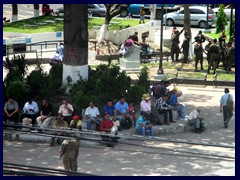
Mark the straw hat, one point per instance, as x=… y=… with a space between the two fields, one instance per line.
x=146 y=97
x=175 y=88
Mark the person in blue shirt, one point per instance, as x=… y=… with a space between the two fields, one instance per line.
x=60 y=51
x=122 y=111
x=179 y=107
x=110 y=108
x=227 y=111
x=143 y=124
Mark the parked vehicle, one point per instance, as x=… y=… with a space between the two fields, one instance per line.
x=98 y=10
x=198 y=17
x=227 y=11
x=60 y=12
x=134 y=9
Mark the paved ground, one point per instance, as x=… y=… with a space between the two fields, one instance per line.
x=97 y=159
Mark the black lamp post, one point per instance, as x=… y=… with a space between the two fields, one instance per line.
x=207 y=27
x=160 y=69
x=231 y=16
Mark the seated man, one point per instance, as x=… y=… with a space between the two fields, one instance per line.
x=164 y=108
x=110 y=108
x=30 y=110
x=179 y=107
x=45 y=118
x=142 y=125
x=58 y=124
x=195 y=120
x=93 y=116
x=66 y=110
x=11 y=109
x=123 y=113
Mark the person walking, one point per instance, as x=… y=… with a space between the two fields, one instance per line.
x=69 y=151
x=226 y=106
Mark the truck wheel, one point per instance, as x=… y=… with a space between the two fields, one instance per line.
x=124 y=13
x=169 y=22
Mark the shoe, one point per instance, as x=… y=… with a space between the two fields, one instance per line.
x=150 y=137
x=226 y=126
x=35 y=131
x=183 y=119
x=197 y=131
x=172 y=121
x=144 y=141
x=58 y=141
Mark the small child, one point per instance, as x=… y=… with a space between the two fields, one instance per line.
x=142 y=14
x=132 y=113
x=76 y=123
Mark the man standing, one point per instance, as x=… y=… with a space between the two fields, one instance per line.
x=142 y=14
x=230 y=56
x=45 y=117
x=69 y=151
x=198 y=51
x=226 y=107
x=174 y=44
x=214 y=56
x=185 y=46
x=200 y=37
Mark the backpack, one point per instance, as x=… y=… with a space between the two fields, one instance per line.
x=154 y=88
x=127 y=124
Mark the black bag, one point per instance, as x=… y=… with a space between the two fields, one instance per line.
x=127 y=124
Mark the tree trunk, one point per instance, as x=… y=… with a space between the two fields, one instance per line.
x=36 y=10
x=14 y=12
x=104 y=28
x=75 y=43
x=187 y=26
x=153 y=12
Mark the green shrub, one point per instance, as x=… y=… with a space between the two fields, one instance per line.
x=135 y=93
x=221 y=21
x=18 y=90
x=143 y=78
x=54 y=80
x=37 y=80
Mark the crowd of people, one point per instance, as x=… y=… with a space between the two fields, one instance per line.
x=217 y=51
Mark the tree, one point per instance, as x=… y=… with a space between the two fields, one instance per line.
x=112 y=10
x=187 y=26
x=14 y=12
x=221 y=21
x=36 y=10
x=75 y=43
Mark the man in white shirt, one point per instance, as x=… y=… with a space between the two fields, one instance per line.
x=195 y=120
x=145 y=104
x=66 y=110
x=30 y=110
x=92 y=115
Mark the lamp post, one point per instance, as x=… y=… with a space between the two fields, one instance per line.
x=231 y=16
x=160 y=69
x=207 y=30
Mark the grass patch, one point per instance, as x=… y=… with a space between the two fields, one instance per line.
x=217 y=35
x=25 y=26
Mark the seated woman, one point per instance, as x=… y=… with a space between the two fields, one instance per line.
x=11 y=109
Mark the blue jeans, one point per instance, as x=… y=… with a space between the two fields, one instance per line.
x=181 y=111
x=90 y=121
x=142 y=130
x=195 y=122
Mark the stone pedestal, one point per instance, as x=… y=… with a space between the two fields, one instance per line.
x=159 y=77
x=131 y=63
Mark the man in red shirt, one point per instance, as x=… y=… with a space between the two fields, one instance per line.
x=106 y=123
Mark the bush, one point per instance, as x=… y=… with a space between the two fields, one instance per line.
x=106 y=82
x=135 y=93
x=143 y=78
x=18 y=90
x=221 y=21
x=54 y=80
x=37 y=80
